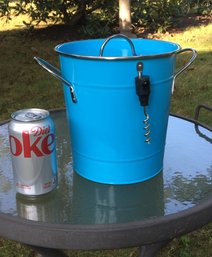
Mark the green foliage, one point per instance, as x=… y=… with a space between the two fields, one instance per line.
x=96 y=28
x=100 y=23
x=65 y=11
x=199 y=6
x=152 y=15
x=159 y=15
x=4 y=8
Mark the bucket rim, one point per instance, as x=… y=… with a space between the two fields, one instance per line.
x=114 y=58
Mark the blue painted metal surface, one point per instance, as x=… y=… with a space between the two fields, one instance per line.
x=106 y=122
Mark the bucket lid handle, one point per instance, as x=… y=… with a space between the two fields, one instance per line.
x=117 y=36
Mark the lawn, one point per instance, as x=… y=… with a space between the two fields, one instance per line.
x=24 y=84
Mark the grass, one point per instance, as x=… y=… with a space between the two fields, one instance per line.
x=24 y=84
x=194 y=86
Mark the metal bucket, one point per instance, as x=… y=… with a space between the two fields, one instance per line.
x=117 y=93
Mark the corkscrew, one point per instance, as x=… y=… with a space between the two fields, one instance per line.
x=143 y=91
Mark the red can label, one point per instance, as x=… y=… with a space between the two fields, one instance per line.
x=33 y=151
x=38 y=141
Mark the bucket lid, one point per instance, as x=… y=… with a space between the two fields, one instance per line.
x=120 y=47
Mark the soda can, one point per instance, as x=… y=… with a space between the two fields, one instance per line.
x=33 y=151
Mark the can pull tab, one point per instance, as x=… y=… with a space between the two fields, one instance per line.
x=143 y=91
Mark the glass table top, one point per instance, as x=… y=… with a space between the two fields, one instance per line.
x=184 y=182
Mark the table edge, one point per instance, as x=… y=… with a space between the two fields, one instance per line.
x=108 y=236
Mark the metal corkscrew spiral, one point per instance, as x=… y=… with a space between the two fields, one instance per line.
x=147 y=127
x=143 y=92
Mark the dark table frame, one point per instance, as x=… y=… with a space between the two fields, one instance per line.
x=46 y=238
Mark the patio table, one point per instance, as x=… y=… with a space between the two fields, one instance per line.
x=81 y=214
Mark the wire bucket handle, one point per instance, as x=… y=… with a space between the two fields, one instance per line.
x=193 y=57
x=57 y=74
x=117 y=36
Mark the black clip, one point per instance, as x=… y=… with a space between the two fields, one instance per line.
x=142 y=86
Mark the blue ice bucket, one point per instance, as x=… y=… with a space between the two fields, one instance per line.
x=117 y=93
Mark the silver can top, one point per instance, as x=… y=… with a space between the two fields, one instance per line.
x=28 y=115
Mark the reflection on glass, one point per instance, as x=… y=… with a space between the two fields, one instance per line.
x=40 y=208
x=100 y=203
x=94 y=203
x=184 y=192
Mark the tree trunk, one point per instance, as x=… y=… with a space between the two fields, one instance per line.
x=125 y=25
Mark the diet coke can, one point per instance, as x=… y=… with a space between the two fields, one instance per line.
x=33 y=151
